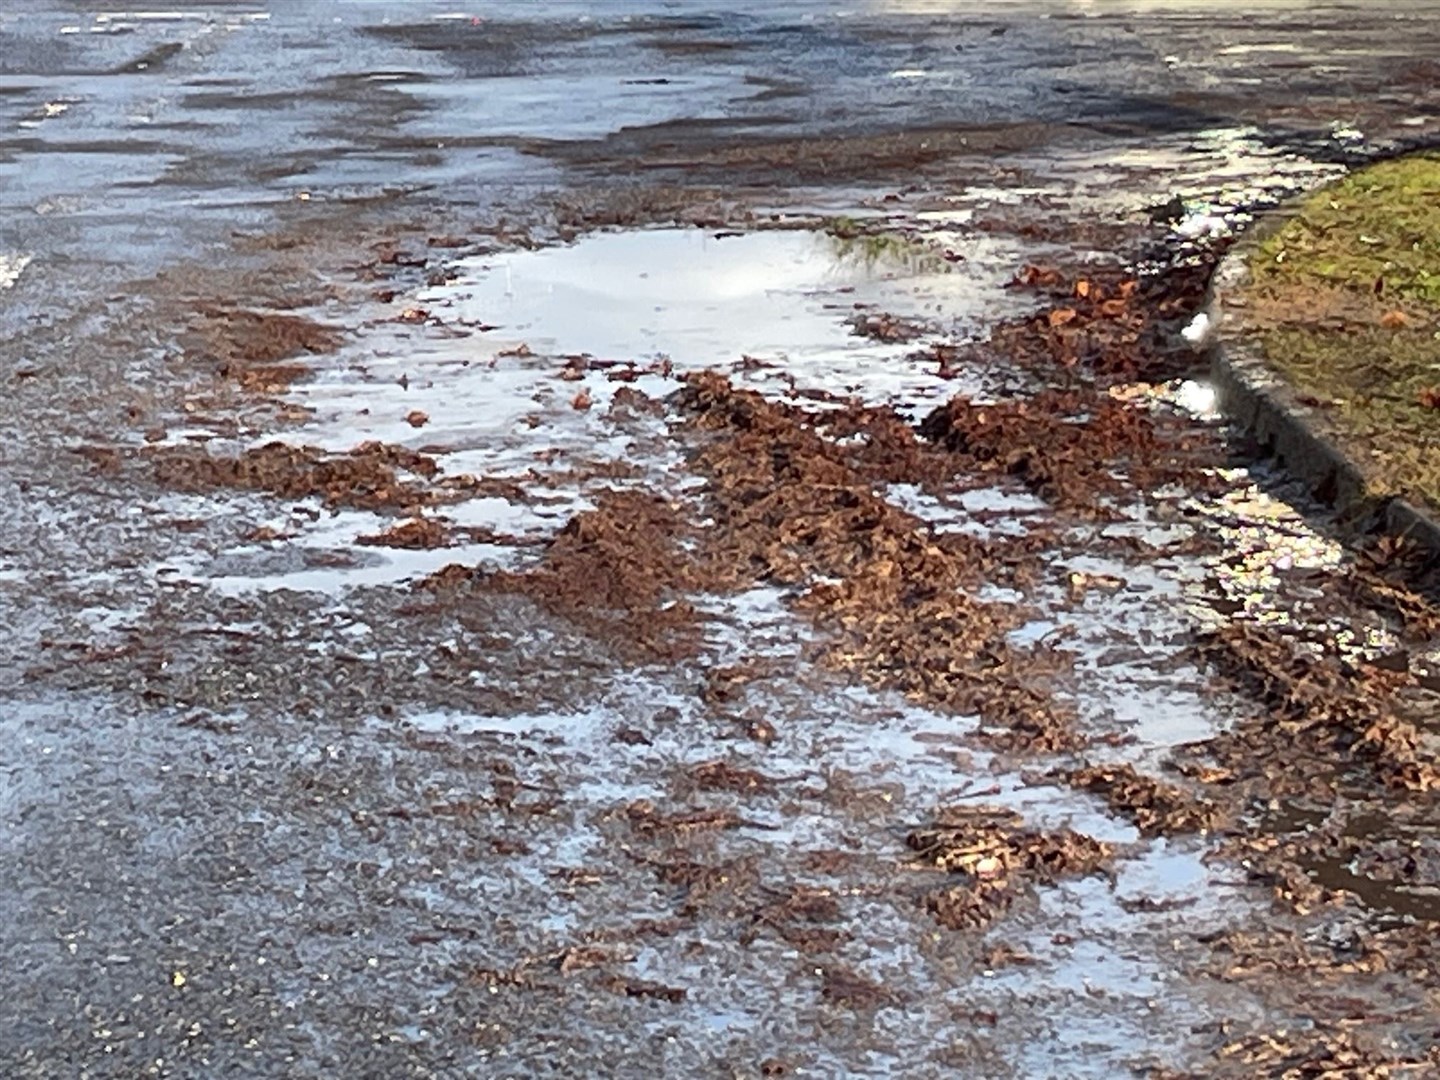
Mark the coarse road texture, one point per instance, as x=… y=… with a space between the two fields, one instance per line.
x=684 y=539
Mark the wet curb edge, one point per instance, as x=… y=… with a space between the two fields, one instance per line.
x=1252 y=395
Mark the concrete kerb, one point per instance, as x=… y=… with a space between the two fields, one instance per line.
x=1297 y=435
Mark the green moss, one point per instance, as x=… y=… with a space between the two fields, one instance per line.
x=1345 y=299
x=886 y=250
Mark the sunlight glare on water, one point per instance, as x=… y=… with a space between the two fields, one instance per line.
x=702 y=299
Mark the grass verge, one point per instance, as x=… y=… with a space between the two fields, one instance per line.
x=1345 y=300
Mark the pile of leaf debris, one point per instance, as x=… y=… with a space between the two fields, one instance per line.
x=794 y=505
x=367 y=478
x=1329 y=1052
x=993 y=860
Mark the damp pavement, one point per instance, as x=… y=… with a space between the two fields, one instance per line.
x=268 y=807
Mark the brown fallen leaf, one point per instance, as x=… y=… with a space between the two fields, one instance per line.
x=1032 y=276
x=1061 y=316
x=1079 y=583
x=1394 y=320
x=581 y=401
x=417 y=534
x=1429 y=397
x=416 y=418
x=413 y=315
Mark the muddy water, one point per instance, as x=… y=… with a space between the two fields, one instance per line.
x=270 y=810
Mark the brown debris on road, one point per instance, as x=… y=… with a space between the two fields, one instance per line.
x=1075 y=443
x=252 y=347
x=367 y=478
x=997 y=860
x=722 y=776
x=1320 y=715
x=1110 y=325
x=843 y=986
x=1340 y=1050
x=267 y=380
x=619 y=571
x=887 y=328
x=792 y=507
x=1071 y=448
x=1157 y=808
x=416 y=534
x=261 y=337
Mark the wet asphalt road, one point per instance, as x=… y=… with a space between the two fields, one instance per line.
x=221 y=852
x=130 y=139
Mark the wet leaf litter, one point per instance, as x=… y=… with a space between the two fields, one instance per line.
x=790 y=490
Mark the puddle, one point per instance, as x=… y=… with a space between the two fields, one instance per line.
x=241 y=573
x=316 y=551
x=991 y=511
x=707 y=300
x=1210 y=180
x=1388 y=860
